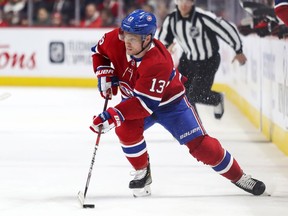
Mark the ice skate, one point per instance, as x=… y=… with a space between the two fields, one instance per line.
x=250 y=185
x=141 y=182
x=219 y=109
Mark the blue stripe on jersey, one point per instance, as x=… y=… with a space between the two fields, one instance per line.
x=150 y=103
x=224 y=163
x=173 y=73
x=134 y=149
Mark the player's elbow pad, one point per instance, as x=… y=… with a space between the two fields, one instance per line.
x=98 y=60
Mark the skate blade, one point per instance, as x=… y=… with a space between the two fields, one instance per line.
x=142 y=192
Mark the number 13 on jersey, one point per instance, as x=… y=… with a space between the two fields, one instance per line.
x=157 y=85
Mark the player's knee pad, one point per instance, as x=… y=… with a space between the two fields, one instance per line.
x=206 y=149
x=130 y=131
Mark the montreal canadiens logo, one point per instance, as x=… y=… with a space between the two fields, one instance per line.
x=149 y=18
x=125 y=89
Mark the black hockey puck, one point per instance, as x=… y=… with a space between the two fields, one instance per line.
x=88 y=206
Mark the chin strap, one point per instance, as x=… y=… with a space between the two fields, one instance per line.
x=143 y=48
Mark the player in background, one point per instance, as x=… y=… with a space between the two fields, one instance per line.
x=281 y=10
x=152 y=92
x=197 y=32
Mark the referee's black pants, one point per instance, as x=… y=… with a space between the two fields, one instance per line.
x=200 y=75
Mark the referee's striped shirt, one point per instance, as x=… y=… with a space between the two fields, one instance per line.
x=197 y=34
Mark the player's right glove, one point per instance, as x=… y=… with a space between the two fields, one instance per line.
x=106 y=81
x=108 y=120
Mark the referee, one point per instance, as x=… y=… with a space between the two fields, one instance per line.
x=197 y=32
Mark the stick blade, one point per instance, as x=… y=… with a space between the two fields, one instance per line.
x=88 y=206
x=81 y=199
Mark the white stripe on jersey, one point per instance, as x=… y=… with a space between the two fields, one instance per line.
x=144 y=105
x=279 y=3
x=147 y=96
x=172 y=98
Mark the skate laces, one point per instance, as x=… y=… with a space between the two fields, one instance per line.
x=246 y=182
x=138 y=174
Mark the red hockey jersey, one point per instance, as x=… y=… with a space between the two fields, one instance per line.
x=146 y=83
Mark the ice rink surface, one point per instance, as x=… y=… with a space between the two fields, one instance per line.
x=46 y=151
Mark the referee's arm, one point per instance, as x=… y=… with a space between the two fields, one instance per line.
x=226 y=31
x=165 y=34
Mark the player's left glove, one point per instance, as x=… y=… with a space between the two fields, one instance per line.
x=108 y=119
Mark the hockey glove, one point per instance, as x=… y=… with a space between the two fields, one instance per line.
x=108 y=119
x=106 y=81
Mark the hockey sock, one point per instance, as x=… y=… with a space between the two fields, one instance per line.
x=228 y=167
x=136 y=153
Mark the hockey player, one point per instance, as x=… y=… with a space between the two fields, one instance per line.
x=152 y=92
x=281 y=10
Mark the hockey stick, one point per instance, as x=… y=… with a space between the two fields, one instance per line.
x=4 y=96
x=81 y=195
